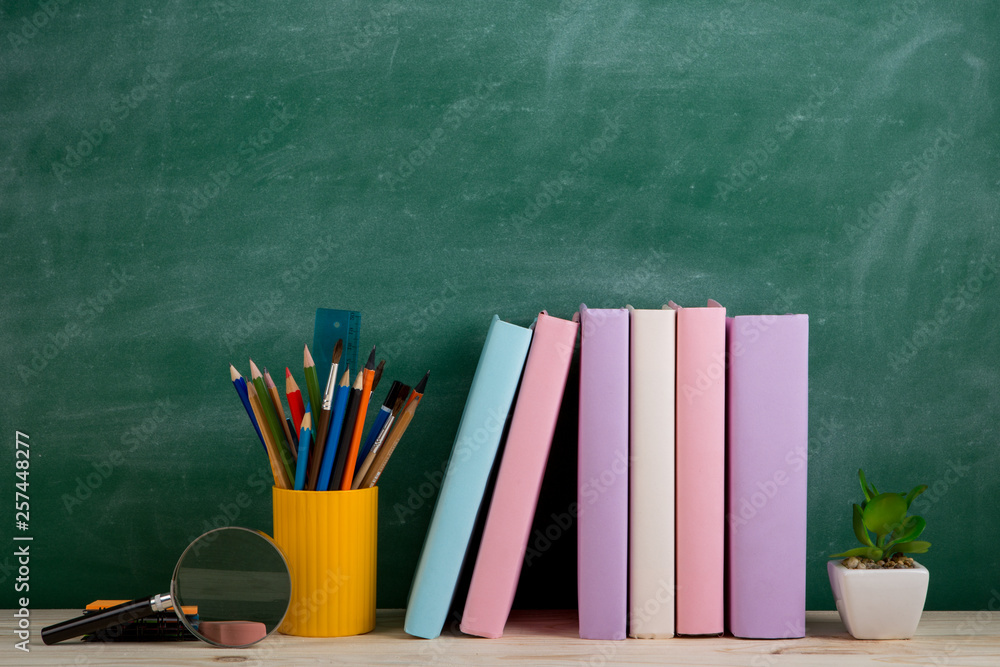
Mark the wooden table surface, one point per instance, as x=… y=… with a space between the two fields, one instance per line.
x=540 y=638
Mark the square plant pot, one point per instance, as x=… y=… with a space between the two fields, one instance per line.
x=879 y=604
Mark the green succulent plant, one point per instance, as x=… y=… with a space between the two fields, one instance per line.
x=884 y=514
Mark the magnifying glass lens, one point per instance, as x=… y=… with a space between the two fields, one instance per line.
x=238 y=580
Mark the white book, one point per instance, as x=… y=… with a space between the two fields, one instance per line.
x=651 y=473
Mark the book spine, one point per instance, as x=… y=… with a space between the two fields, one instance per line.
x=519 y=480
x=602 y=481
x=701 y=400
x=465 y=479
x=768 y=431
x=651 y=473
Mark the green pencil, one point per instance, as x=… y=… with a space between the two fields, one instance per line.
x=312 y=381
x=271 y=418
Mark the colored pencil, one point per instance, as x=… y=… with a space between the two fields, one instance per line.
x=312 y=381
x=320 y=445
x=241 y=389
x=267 y=410
x=347 y=432
x=267 y=407
x=333 y=437
x=347 y=477
x=279 y=411
x=380 y=418
x=401 y=394
x=281 y=477
x=378 y=376
x=294 y=396
x=405 y=417
x=305 y=435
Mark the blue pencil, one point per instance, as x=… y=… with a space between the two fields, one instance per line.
x=241 y=389
x=380 y=419
x=333 y=434
x=305 y=435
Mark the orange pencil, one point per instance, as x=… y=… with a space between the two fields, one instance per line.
x=359 y=424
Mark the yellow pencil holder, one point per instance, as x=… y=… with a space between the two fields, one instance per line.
x=330 y=541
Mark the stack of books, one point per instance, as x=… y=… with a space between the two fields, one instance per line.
x=691 y=479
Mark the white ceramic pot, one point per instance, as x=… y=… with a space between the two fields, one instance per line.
x=879 y=604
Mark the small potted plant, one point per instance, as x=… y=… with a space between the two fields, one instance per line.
x=880 y=591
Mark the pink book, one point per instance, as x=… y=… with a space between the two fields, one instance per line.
x=768 y=428
x=602 y=480
x=519 y=480
x=701 y=468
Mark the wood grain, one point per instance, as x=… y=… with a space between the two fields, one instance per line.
x=545 y=638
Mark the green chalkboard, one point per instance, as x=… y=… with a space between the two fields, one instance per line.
x=182 y=184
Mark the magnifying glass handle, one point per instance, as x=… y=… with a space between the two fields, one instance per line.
x=117 y=615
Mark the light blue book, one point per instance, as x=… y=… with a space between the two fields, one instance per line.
x=472 y=456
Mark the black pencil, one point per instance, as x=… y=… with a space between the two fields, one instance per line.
x=353 y=403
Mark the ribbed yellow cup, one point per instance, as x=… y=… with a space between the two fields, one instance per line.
x=330 y=540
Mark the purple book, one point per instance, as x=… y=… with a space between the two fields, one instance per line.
x=768 y=432
x=602 y=481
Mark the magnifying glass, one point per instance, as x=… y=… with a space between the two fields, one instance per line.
x=238 y=579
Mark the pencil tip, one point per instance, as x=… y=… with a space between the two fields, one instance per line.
x=288 y=373
x=371 y=360
x=422 y=384
x=378 y=373
x=307 y=358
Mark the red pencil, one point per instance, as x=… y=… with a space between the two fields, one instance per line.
x=294 y=399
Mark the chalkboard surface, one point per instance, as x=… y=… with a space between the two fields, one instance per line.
x=182 y=184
